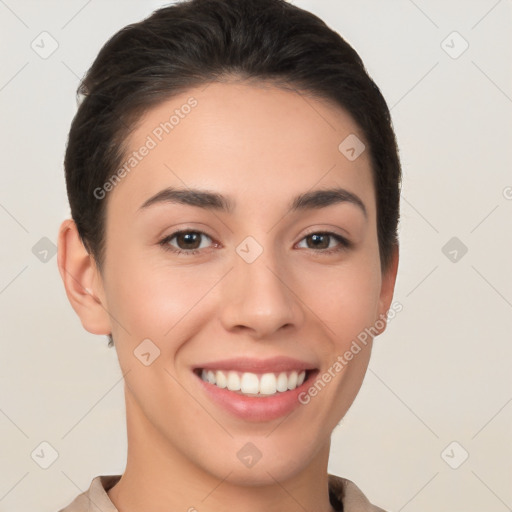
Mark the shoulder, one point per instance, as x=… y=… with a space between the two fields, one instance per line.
x=350 y=495
x=341 y=490
x=95 y=499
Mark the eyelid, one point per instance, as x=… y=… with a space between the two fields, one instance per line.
x=164 y=242
x=344 y=244
x=328 y=231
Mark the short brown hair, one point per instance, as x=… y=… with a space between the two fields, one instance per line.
x=197 y=41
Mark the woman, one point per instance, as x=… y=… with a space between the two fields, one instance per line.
x=250 y=132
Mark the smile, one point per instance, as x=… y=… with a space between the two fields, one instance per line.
x=254 y=384
x=256 y=389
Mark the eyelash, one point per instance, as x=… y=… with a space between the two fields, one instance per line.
x=344 y=244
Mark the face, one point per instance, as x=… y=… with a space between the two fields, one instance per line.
x=250 y=275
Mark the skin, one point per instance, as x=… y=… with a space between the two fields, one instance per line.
x=261 y=146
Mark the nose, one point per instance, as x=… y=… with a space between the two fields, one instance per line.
x=259 y=298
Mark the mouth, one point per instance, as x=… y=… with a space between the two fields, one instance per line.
x=253 y=384
x=256 y=390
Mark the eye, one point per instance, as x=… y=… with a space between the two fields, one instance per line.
x=321 y=242
x=188 y=242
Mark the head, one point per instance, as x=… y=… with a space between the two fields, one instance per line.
x=246 y=109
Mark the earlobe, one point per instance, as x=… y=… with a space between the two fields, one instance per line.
x=388 y=288
x=82 y=280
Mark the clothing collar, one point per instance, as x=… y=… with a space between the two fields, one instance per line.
x=344 y=496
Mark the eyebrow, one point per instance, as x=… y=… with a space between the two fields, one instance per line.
x=207 y=200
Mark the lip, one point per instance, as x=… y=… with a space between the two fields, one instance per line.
x=254 y=365
x=256 y=409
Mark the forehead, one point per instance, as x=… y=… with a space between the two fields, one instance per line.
x=244 y=140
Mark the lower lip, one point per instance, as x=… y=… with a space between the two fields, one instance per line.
x=254 y=408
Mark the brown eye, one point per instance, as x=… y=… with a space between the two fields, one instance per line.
x=186 y=242
x=322 y=242
x=319 y=241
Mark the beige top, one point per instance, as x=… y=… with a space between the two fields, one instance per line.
x=344 y=496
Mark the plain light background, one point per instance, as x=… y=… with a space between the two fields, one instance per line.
x=439 y=385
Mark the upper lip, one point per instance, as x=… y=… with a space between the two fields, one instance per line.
x=246 y=364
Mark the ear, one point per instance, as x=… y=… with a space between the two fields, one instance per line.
x=82 y=280
x=388 y=288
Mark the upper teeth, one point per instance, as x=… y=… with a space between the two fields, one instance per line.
x=251 y=383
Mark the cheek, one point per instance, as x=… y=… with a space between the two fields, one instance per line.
x=347 y=305
x=344 y=298
x=152 y=300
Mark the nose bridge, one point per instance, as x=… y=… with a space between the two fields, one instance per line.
x=259 y=297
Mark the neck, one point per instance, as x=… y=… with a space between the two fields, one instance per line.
x=160 y=477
